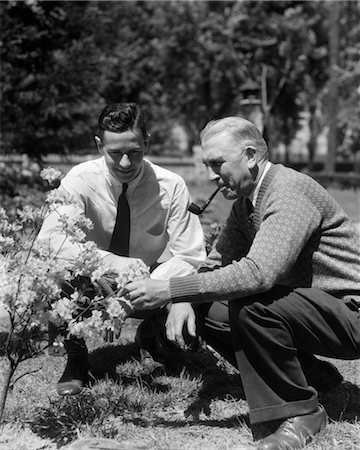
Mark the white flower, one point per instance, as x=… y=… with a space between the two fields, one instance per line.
x=50 y=174
x=3 y=215
x=30 y=214
x=57 y=198
x=88 y=261
x=76 y=226
x=114 y=308
x=98 y=273
x=63 y=309
x=6 y=243
x=77 y=328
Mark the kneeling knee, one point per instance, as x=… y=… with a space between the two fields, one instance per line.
x=247 y=316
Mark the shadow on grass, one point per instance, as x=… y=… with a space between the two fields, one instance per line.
x=112 y=362
x=343 y=403
x=229 y=422
x=126 y=393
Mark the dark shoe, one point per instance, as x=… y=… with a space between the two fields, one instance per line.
x=75 y=375
x=295 y=432
x=150 y=345
x=323 y=376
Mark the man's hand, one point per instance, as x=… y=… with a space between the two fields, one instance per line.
x=180 y=315
x=148 y=293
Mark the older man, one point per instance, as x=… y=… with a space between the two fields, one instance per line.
x=138 y=210
x=285 y=274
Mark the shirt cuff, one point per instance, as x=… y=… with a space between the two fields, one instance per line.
x=184 y=286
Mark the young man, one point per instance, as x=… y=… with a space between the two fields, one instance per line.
x=281 y=284
x=159 y=228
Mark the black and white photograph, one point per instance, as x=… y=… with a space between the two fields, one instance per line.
x=179 y=224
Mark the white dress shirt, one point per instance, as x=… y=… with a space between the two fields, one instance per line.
x=162 y=230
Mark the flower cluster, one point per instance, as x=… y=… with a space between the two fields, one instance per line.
x=51 y=175
x=32 y=277
x=97 y=304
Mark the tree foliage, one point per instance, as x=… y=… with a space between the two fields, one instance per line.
x=184 y=61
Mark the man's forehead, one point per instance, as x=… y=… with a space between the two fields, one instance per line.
x=216 y=145
x=131 y=138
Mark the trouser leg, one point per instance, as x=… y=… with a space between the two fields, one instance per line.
x=75 y=374
x=268 y=331
x=151 y=337
x=213 y=325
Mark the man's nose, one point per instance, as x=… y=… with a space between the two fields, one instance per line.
x=212 y=175
x=125 y=162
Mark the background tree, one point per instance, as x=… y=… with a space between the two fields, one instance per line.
x=49 y=76
x=349 y=81
x=183 y=61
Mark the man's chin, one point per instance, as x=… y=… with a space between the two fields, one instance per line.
x=124 y=177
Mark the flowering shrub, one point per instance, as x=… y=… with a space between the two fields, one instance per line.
x=96 y=305
x=32 y=280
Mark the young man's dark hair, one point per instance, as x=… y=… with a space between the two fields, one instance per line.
x=120 y=117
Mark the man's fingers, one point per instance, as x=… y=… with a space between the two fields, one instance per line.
x=178 y=332
x=170 y=330
x=138 y=304
x=170 y=335
x=180 y=340
x=191 y=325
x=174 y=335
x=132 y=291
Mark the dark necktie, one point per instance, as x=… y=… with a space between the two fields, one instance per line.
x=120 y=238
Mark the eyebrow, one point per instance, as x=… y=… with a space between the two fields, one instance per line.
x=212 y=160
x=126 y=149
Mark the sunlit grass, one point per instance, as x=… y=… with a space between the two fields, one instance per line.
x=197 y=403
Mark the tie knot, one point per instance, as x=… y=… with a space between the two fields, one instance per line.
x=125 y=186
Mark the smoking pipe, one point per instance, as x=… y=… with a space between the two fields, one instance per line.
x=195 y=209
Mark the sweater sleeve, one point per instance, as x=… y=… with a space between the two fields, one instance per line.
x=287 y=223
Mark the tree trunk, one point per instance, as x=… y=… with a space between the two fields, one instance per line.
x=333 y=103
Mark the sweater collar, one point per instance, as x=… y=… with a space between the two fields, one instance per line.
x=269 y=176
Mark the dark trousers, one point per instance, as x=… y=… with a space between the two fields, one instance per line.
x=272 y=337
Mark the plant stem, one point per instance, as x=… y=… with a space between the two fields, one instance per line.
x=4 y=392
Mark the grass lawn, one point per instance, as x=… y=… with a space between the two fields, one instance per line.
x=197 y=403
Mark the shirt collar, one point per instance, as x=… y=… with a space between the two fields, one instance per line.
x=255 y=193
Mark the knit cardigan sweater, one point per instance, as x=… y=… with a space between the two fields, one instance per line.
x=299 y=237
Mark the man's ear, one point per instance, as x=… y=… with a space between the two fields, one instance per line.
x=251 y=155
x=98 y=143
x=147 y=142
